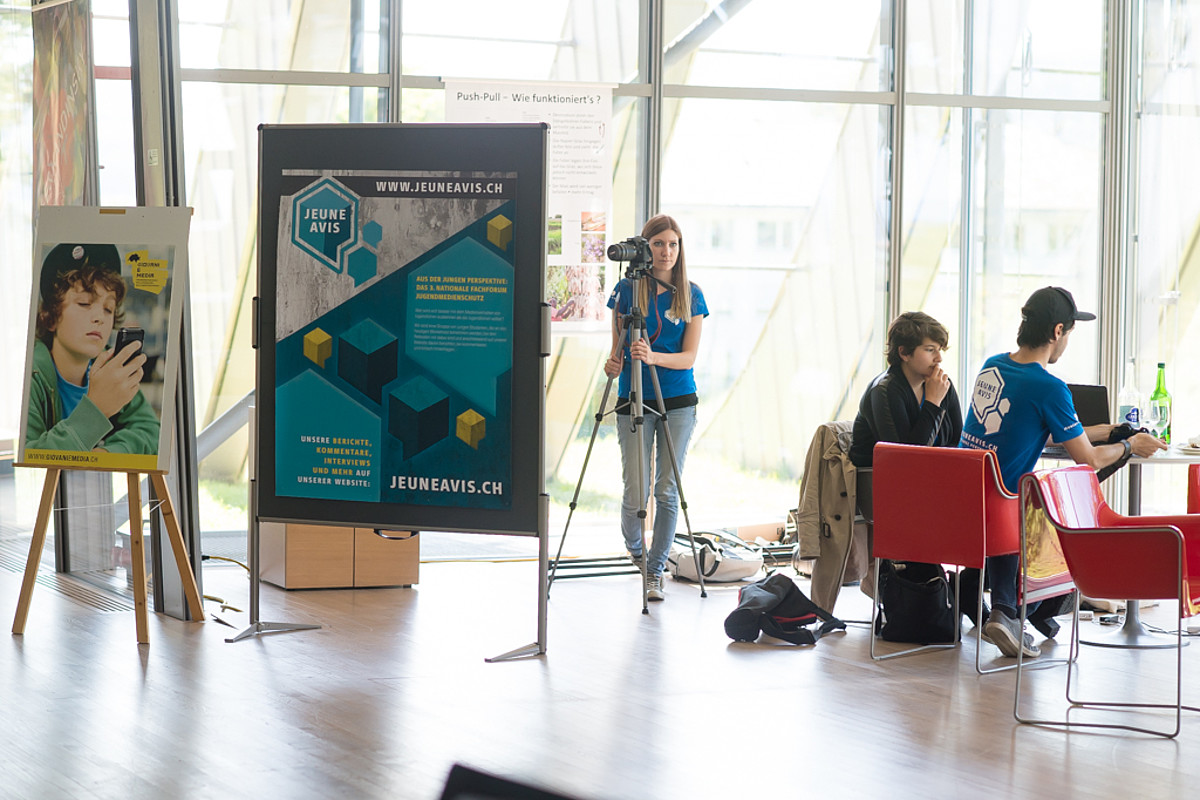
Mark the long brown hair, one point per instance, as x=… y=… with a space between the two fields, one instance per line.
x=681 y=304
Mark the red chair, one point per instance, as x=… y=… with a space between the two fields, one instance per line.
x=940 y=505
x=1112 y=555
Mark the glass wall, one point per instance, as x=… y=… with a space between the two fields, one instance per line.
x=783 y=200
x=16 y=246
x=1020 y=150
x=776 y=141
x=1165 y=286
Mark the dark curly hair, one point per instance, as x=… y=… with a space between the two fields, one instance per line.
x=85 y=278
x=909 y=330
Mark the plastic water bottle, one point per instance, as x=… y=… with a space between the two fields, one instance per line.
x=1128 y=400
x=1161 y=399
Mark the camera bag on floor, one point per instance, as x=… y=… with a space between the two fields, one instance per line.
x=916 y=602
x=776 y=606
x=723 y=558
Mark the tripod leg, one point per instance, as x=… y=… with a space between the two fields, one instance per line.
x=579 y=484
x=636 y=421
x=662 y=410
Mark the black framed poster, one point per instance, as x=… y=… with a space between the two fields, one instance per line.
x=401 y=278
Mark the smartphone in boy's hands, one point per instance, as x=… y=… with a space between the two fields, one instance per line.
x=127 y=335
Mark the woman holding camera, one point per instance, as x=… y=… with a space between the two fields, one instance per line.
x=674 y=311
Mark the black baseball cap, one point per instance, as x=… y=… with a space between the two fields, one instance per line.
x=1053 y=305
x=66 y=257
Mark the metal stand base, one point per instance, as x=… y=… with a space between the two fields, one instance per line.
x=1134 y=635
x=596 y=567
x=257 y=627
x=528 y=651
x=271 y=627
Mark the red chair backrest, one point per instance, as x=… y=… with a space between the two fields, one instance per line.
x=1071 y=496
x=1122 y=562
x=941 y=505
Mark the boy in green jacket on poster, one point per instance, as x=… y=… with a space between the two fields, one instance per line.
x=83 y=397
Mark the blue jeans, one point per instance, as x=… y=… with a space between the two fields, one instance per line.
x=681 y=422
x=1004 y=572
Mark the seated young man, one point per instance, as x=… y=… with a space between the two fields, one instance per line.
x=913 y=402
x=1023 y=406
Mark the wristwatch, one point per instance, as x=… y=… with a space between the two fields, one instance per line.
x=1128 y=449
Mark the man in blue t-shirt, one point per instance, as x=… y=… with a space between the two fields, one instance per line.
x=1016 y=406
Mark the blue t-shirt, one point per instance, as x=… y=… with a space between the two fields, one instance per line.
x=1014 y=408
x=69 y=393
x=666 y=336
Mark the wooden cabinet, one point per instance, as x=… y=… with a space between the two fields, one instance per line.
x=328 y=557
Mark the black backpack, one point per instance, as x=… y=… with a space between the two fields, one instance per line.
x=916 y=603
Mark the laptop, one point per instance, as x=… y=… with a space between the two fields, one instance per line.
x=1091 y=403
x=1091 y=406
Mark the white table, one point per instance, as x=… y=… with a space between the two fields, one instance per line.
x=1133 y=632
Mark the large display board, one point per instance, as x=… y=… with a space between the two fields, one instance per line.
x=399 y=325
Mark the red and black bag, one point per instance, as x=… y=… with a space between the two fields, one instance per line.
x=776 y=606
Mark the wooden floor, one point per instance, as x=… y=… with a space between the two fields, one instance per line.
x=393 y=690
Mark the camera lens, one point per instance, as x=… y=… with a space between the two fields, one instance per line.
x=622 y=251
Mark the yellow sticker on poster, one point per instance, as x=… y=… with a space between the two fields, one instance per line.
x=148 y=275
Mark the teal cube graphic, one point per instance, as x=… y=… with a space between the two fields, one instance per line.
x=367 y=358
x=418 y=414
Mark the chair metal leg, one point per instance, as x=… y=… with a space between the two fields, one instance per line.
x=875 y=604
x=1178 y=705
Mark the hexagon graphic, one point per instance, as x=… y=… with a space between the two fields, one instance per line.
x=361 y=264
x=373 y=233
x=325 y=222
x=989 y=386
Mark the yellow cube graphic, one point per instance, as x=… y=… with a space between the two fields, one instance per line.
x=499 y=231
x=318 y=346
x=470 y=427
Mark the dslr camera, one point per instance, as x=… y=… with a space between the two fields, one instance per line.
x=635 y=250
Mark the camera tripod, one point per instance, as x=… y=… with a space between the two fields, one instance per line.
x=633 y=327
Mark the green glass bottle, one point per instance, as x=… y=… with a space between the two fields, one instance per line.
x=1160 y=400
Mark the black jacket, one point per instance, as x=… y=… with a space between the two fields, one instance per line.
x=890 y=412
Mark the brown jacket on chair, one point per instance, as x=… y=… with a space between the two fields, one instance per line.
x=825 y=528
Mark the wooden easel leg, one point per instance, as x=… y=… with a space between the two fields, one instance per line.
x=175 y=535
x=137 y=551
x=35 y=549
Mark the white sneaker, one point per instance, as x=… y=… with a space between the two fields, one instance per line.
x=654 y=588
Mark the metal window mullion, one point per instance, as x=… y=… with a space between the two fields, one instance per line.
x=651 y=38
x=158 y=163
x=1004 y=102
x=1115 y=256
x=966 y=195
x=395 y=70
x=896 y=209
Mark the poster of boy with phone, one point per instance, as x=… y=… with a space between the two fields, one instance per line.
x=100 y=322
x=84 y=396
